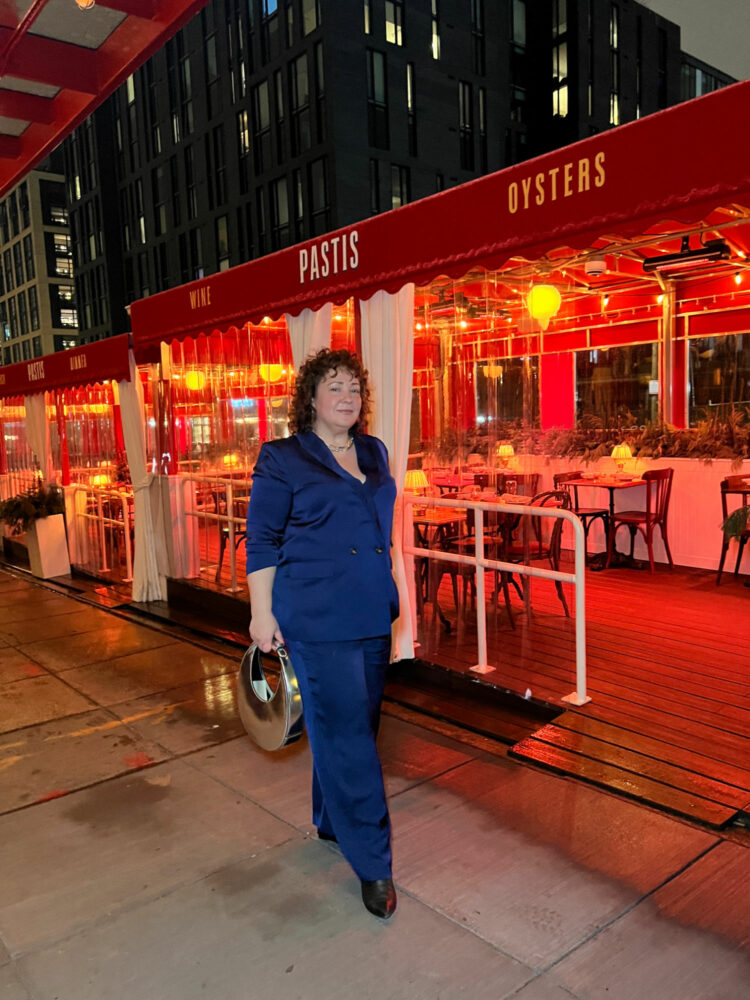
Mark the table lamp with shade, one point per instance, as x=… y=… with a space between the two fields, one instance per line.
x=504 y=453
x=621 y=453
x=415 y=481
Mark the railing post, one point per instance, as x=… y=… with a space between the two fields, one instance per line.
x=482 y=667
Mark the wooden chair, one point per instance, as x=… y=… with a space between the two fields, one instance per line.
x=587 y=514
x=519 y=551
x=658 y=488
x=240 y=511
x=733 y=486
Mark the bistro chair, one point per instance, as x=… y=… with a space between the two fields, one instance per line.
x=587 y=515
x=658 y=488
x=240 y=505
x=733 y=486
x=520 y=551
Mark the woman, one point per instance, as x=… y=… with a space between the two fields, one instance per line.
x=319 y=575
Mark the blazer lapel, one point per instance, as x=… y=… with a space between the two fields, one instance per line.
x=314 y=448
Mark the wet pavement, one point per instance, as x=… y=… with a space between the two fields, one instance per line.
x=148 y=850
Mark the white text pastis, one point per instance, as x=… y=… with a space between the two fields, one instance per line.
x=333 y=255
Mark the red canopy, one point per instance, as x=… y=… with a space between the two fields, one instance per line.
x=58 y=63
x=95 y=362
x=676 y=165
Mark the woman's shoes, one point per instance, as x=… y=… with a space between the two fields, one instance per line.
x=380 y=897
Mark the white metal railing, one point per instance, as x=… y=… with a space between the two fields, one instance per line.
x=223 y=492
x=577 y=578
x=110 y=511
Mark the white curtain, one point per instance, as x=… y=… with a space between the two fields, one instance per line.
x=309 y=332
x=149 y=584
x=37 y=433
x=388 y=354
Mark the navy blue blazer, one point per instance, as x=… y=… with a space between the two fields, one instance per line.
x=328 y=535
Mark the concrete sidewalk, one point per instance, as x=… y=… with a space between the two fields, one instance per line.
x=149 y=852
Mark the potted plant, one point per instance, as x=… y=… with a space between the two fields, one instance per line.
x=39 y=513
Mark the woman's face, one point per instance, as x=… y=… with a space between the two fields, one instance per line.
x=338 y=401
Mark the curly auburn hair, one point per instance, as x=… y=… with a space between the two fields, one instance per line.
x=311 y=374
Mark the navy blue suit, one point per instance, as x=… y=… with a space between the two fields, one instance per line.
x=328 y=535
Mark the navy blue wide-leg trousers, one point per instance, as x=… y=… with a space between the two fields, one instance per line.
x=342 y=687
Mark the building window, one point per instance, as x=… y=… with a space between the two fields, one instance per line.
x=261 y=127
x=23 y=200
x=159 y=200
x=466 y=125
x=8 y=264
x=260 y=214
x=13 y=214
x=368 y=16
x=299 y=88
x=12 y=317
x=482 y=95
x=614 y=65
x=4 y=328
x=435 y=26
x=394 y=22
x=279 y=214
x=279 y=104
x=400 y=186
x=174 y=182
x=320 y=212
x=374 y=187
x=377 y=100
x=18 y=263
x=222 y=243
x=299 y=205
x=26 y=350
x=23 y=316
x=477 y=35
x=320 y=121
x=190 y=191
x=28 y=253
x=4 y=229
x=560 y=80
x=411 y=110
x=270 y=36
x=310 y=16
x=36 y=345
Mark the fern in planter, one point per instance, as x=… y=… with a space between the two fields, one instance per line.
x=21 y=511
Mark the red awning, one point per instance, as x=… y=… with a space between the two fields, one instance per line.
x=676 y=165
x=86 y=365
x=58 y=63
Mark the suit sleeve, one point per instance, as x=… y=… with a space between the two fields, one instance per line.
x=268 y=512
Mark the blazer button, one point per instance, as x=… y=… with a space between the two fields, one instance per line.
x=379 y=549
x=353 y=551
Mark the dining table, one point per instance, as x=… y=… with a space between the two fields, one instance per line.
x=611 y=558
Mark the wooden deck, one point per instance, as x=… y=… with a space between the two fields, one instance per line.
x=668 y=674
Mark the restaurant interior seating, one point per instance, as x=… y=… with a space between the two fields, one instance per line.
x=738 y=488
x=658 y=489
x=587 y=515
x=240 y=532
x=520 y=550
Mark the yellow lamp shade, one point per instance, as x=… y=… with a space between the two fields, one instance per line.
x=415 y=481
x=195 y=380
x=231 y=460
x=621 y=452
x=101 y=479
x=543 y=301
x=271 y=373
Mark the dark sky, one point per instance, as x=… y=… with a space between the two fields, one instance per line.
x=716 y=31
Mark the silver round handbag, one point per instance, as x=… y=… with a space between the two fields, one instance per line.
x=272 y=719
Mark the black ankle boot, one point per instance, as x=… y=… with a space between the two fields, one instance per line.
x=380 y=897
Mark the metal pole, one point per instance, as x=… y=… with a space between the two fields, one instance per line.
x=482 y=667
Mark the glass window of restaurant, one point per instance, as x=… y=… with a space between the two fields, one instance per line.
x=227 y=393
x=718 y=376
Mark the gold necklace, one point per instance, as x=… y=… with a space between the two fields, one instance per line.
x=339 y=449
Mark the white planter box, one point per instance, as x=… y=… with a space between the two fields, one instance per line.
x=48 y=547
